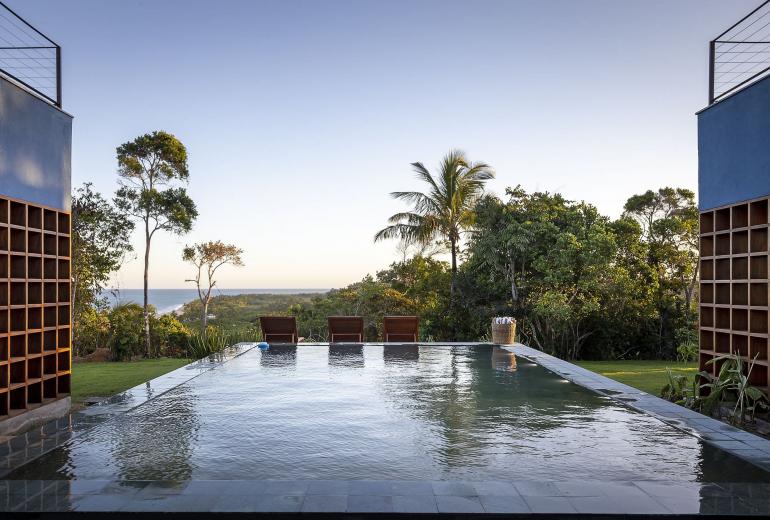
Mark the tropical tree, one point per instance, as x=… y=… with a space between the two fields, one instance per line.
x=100 y=243
x=207 y=258
x=150 y=168
x=443 y=213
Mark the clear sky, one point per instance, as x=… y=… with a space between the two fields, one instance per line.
x=301 y=117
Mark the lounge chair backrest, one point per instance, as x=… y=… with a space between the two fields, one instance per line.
x=346 y=328
x=401 y=329
x=279 y=329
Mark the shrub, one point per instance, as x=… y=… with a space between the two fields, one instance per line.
x=91 y=331
x=169 y=335
x=126 y=325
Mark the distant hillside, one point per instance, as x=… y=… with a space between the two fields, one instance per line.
x=241 y=312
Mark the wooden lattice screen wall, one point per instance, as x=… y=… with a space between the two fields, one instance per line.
x=734 y=286
x=35 y=306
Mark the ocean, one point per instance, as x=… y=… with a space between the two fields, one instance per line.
x=170 y=300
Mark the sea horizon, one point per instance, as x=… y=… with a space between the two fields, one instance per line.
x=171 y=300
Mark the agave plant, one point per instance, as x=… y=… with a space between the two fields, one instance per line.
x=731 y=386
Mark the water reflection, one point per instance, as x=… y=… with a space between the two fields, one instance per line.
x=503 y=360
x=279 y=356
x=400 y=354
x=346 y=355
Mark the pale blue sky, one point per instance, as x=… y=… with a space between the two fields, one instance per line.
x=300 y=117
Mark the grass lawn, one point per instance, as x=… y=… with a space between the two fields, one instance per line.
x=649 y=376
x=105 y=379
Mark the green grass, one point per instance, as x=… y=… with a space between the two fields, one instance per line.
x=649 y=376
x=108 y=378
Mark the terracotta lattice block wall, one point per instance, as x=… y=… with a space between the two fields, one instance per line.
x=35 y=309
x=734 y=315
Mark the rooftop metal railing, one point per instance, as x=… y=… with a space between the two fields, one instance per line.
x=29 y=57
x=740 y=55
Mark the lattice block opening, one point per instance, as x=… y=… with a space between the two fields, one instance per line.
x=758 y=240
x=64 y=339
x=49 y=317
x=758 y=267
x=49 y=388
x=18 y=399
x=758 y=321
x=64 y=315
x=706 y=269
x=4 y=381
x=759 y=294
x=49 y=269
x=35 y=393
x=49 y=340
x=3 y=294
x=35 y=368
x=18 y=266
x=34 y=293
x=64 y=292
x=34 y=343
x=722 y=318
x=49 y=244
x=49 y=292
x=722 y=342
x=64 y=361
x=740 y=242
x=740 y=216
x=722 y=219
x=740 y=345
x=707 y=222
x=35 y=243
x=740 y=268
x=722 y=292
x=4 y=404
x=18 y=214
x=64 y=224
x=18 y=372
x=3 y=321
x=4 y=349
x=34 y=268
x=64 y=269
x=722 y=244
x=18 y=320
x=4 y=269
x=707 y=317
x=49 y=217
x=3 y=211
x=758 y=213
x=4 y=239
x=64 y=384
x=18 y=240
x=740 y=320
x=740 y=294
x=49 y=364
x=34 y=217
x=758 y=348
x=706 y=340
x=758 y=376
x=722 y=269
x=707 y=292
x=34 y=318
x=18 y=346
x=707 y=246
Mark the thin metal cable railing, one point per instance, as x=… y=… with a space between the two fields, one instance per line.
x=740 y=55
x=29 y=57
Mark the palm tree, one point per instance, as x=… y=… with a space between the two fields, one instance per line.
x=445 y=211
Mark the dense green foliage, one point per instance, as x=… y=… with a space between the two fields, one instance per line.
x=100 y=241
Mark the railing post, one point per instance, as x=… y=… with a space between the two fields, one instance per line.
x=58 y=76
x=712 y=57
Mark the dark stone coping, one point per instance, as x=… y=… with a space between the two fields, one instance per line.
x=636 y=498
x=740 y=443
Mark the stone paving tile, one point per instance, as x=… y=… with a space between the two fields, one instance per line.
x=606 y=505
x=549 y=504
x=579 y=489
x=504 y=504
x=495 y=488
x=454 y=488
x=328 y=487
x=458 y=504
x=278 y=503
x=413 y=487
x=233 y=503
x=370 y=504
x=370 y=487
x=284 y=487
x=414 y=504
x=325 y=504
x=537 y=489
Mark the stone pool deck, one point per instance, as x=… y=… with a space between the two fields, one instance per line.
x=359 y=497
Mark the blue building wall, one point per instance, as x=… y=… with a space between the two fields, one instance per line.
x=35 y=148
x=734 y=148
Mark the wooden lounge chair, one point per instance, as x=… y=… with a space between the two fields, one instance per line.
x=279 y=329
x=401 y=329
x=346 y=328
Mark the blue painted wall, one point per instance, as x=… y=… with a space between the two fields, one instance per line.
x=734 y=148
x=35 y=148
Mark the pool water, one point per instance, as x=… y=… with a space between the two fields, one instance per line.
x=385 y=412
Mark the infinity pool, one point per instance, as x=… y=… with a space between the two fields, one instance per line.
x=385 y=412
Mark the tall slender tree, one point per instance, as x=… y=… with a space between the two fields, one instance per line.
x=445 y=210
x=150 y=168
x=207 y=258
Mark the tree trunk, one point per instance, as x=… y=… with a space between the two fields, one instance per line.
x=204 y=315
x=147 y=343
x=453 y=244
